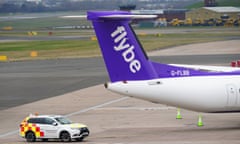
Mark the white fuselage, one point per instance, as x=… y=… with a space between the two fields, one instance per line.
x=203 y=93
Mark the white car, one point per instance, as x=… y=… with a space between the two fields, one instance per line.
x=46 y=127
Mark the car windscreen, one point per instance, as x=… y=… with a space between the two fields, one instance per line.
x=63 y=120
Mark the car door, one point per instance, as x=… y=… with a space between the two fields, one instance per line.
x=49 y=128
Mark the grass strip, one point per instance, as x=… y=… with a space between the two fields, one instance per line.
x=89 y=48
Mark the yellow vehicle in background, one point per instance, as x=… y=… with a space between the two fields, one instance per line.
x=7 y=28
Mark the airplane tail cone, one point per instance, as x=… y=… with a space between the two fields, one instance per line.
x=200 y=122
x=179 y=116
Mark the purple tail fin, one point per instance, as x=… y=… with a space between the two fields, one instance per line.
x=122 y=52
x=123 y=55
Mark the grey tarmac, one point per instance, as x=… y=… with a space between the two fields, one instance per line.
x=113 y=118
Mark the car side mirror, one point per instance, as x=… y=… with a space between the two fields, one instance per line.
x=54 y=124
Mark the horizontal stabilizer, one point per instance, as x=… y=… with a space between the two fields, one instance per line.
x=116 y=15
x=129 y=16
x=75 y=16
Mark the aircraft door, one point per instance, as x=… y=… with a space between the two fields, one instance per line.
x=232 y=95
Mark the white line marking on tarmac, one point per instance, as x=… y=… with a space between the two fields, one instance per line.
x=97 y=106
x=9 y=133
x=75 y=113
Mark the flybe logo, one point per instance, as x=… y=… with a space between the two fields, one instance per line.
x=121 y=45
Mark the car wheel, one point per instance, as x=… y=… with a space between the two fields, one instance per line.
x=65 y=137
x=30 y=137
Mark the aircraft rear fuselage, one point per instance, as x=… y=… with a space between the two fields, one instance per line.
x=204 y=94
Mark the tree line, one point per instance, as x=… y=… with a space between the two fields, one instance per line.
x=64 y=6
